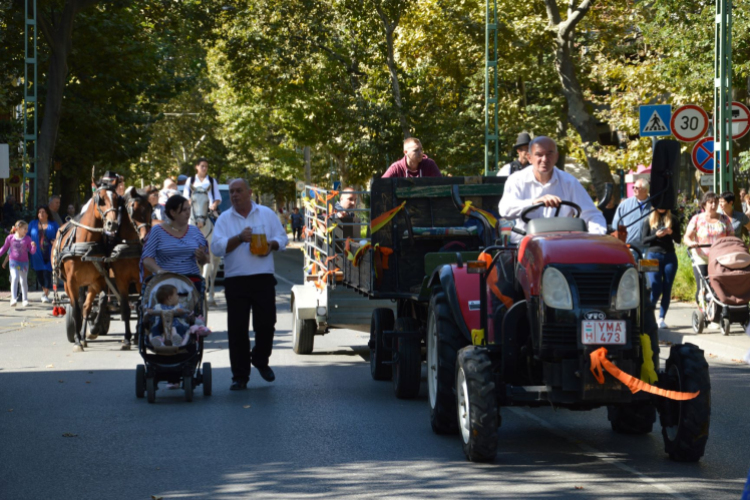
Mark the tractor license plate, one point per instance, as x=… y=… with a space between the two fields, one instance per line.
x=608 y=332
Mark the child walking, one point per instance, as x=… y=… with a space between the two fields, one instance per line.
x=19 y=244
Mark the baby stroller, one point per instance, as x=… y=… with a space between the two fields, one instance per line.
x=723 y=295
x=173 y=364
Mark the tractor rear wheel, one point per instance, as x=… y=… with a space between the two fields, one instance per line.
x=407 y=360
x=476 y=401
x=380 y=355
x=633 y=418
x=444 y=340
x=685 y=424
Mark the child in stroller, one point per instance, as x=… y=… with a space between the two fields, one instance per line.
x=173 y=301
x=163 y=331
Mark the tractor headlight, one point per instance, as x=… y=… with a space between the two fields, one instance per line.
x=628 y=291
x=555 y=289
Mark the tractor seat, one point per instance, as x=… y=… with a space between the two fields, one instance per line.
x=555 y=224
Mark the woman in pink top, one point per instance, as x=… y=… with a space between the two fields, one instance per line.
x=19 y=244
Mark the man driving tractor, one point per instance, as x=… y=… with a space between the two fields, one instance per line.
x=545 y=183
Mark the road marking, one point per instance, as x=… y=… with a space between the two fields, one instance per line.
x=604 y=457
x=286 y=280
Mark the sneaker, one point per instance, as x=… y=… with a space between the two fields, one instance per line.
x=714 y=326
x=13 y=303
x=46 y=299
x=25 y=303
x=662 y=324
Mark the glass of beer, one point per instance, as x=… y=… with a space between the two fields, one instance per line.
x=258 y=241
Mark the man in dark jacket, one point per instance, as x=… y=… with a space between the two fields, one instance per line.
x=522 y=150
x=414 y=163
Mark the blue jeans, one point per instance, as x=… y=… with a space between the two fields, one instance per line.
x=662 y=280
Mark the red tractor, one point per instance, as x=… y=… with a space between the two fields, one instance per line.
x=575 y=293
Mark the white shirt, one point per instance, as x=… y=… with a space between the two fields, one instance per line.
x=213 y=195
x=505 y=170
x=522 y=188
x=240 y=262
x=166 y=194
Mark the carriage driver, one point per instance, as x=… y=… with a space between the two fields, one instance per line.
x=201 y=179
x=545 y=183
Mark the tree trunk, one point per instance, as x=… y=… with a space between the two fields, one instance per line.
x=390 y=27
x=59 y=38
x=583 y=122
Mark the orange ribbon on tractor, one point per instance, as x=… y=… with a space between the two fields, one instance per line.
x=600 y=363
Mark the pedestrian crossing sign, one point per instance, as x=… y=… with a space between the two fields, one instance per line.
x=655 y=120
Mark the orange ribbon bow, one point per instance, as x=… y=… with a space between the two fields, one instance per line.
x=599 y=363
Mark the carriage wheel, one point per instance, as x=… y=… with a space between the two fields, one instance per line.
x=70 y=324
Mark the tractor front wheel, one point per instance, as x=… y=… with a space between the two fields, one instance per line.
x=478 y=416
x=685 y=424
x=444 y=340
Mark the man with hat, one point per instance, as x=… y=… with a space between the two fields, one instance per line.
x=522 y=149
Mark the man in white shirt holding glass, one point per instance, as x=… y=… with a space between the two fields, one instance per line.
x=246 y=235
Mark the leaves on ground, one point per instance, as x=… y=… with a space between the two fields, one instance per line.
x=50 y=366
x=579 y=487
x=69 y=435
x=246 y=406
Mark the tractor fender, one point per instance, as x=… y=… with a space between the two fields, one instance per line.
x=443 y=276
x=304 y=301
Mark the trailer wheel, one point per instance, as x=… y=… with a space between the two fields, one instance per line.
x=444 y=340
x=303 y=334
x=476 y=401
x=380 y=355
x=407 y=360
x=685 y=424
x=634 y=418
x=699 y=321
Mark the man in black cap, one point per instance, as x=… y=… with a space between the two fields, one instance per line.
x=522 y=150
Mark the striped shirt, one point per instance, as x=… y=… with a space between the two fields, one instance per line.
x=174 y=254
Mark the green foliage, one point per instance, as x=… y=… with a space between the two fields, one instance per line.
x=684 y=284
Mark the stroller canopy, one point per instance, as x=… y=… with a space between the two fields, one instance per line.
x=729 y=281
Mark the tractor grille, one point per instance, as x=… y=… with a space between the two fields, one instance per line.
x=595 y=289
x=559 y=336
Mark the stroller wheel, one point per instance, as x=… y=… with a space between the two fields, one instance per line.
x=187 y=383
x=151 y=389
x=699 y=321
x=725 y=326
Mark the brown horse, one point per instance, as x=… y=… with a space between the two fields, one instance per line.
x=125 y=269
x=101 y=218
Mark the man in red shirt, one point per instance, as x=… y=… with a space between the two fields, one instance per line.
x=414 y=163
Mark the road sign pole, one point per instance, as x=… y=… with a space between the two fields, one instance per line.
x=723 y=98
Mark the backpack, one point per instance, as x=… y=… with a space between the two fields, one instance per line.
x=191 y=180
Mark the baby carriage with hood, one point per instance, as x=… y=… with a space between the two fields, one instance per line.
x=172 y=363
x=724 y=295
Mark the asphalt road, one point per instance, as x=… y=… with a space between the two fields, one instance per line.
x=72 y=428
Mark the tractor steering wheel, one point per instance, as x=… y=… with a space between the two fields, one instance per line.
x=526 y=220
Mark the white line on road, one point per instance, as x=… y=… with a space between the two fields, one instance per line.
x=285 y=280
x=604 y=457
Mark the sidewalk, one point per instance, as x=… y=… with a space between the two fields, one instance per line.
x=679 y=318
x=15 y=318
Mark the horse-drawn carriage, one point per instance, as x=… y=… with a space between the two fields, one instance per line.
x=98 y=253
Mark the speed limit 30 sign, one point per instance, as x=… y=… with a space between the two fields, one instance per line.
x=689 y=123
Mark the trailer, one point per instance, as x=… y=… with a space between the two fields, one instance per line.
x=322 y=302
x=416 y=228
